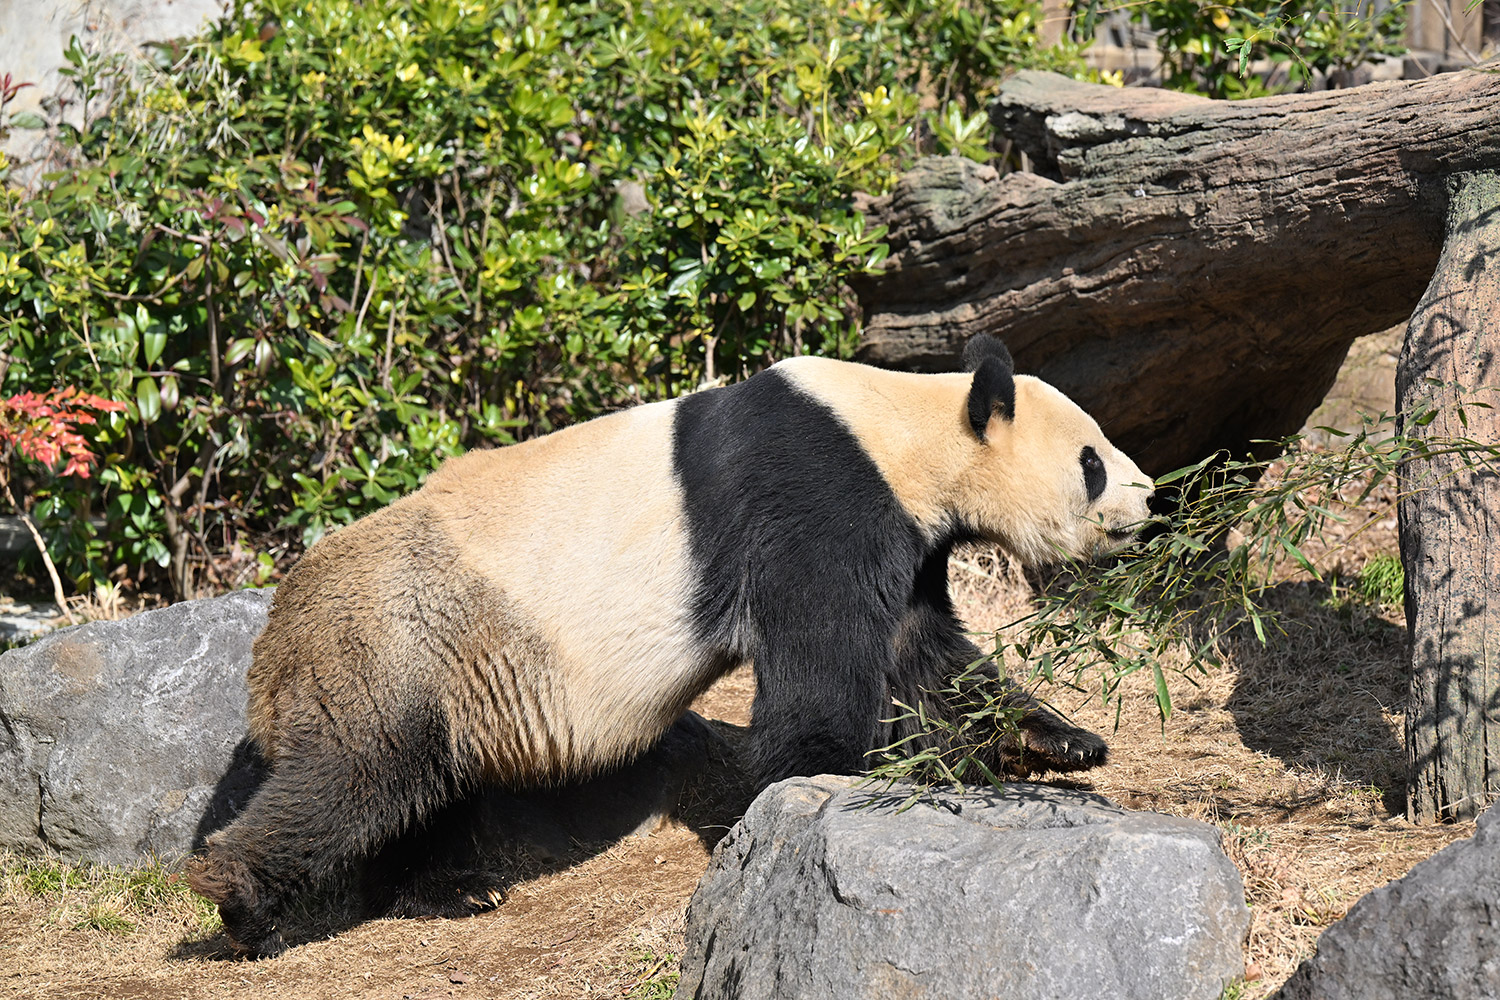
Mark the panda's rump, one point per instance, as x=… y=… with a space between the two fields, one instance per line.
x=583 y=533
x=537 y=594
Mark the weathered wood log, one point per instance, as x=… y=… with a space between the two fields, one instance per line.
x=1191 y=271
x=1450 y=516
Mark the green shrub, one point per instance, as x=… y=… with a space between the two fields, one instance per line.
x=336 y=241
x=1207 y=47
x=1382 y=580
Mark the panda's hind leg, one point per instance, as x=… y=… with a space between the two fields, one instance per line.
x=328 y=804
x=438 y=868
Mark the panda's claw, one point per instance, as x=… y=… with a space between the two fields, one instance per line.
x=1049 y=743
x=448 y=894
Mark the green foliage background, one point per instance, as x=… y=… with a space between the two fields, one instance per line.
x=334 y=242
x=1207 y=47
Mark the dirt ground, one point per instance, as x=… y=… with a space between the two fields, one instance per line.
x=1293 y=749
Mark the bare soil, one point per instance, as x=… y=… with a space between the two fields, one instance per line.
x=1293 y=749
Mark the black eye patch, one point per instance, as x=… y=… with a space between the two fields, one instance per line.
x=1094 y=476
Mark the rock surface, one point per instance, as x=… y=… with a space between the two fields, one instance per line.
x=34 y=35
x=119 y=739
x=1433 y=934
x=825 y=890
x=21 y=621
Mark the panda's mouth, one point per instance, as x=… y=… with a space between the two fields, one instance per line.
x=1120 y=534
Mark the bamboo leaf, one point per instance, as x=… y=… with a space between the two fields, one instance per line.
x=1163 y=696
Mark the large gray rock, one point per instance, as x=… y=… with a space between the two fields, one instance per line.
x=825 y=890
x=119 y=739
x=1433 y=934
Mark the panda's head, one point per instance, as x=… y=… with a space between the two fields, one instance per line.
x=1042 y=479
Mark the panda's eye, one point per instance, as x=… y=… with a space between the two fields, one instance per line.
x=1094 y=477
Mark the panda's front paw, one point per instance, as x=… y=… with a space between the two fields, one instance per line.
x=1048 y=743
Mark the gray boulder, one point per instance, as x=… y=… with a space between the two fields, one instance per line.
x=825 y=890
x=124 y=739
x=1433 y=934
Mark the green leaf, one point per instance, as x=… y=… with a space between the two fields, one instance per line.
x=28 y=120
x=1163 y=697
x=239 y=350
x=153 y=342
x=1302 y=560
x=148 y=400
x=1176 y=474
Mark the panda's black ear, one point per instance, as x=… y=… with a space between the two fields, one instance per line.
x=994 y=387
x=982 y=346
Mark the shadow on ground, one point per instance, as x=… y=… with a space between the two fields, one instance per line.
x=692 y=776
x=1325 y=690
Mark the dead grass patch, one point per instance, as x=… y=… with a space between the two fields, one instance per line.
x=1293 y=749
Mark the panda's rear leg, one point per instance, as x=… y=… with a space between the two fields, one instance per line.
x=317 y=816
x=257 y=866
x=438 y=868
x=248 y=906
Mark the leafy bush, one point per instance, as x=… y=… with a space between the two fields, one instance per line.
x=336 y=241
x=44 y=429
x=1207 y=47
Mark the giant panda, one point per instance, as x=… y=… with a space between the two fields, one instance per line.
x=542 y=611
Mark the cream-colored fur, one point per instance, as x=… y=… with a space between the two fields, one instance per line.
x=584 y=530
x=552 y=580
x=1022 y=486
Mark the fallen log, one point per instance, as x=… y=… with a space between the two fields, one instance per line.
x=1191 y=271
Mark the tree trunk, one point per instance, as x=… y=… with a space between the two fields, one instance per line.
x=1191 y=271
x=1450 y=516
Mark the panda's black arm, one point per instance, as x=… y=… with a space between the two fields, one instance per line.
x=819 y=697
x=931 y=650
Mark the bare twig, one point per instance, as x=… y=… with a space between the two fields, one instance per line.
x=41 y=546
x=442 y=241
x=1442 y=12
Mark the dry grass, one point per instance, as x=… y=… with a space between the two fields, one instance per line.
x=1292 y=749
x=594 y=930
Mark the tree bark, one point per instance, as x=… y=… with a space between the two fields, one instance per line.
x=1191 y=271
x=1450 y=516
